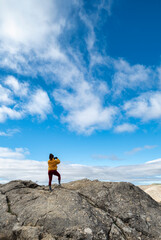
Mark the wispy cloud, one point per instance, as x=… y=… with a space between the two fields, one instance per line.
x=150 y=146
x=6 y=96
x=138 y=149
x=18 y=88
x=9 y=132
x=107 y=5
x=125 y=127
x=128 y=76
x=112 y=157
x=90 y=39
x=146 y=107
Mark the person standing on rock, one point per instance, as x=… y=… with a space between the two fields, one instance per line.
x=52 y=169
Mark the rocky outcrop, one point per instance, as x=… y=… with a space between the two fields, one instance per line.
x=80 y=210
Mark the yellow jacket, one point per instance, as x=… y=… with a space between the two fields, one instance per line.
x=52 y=164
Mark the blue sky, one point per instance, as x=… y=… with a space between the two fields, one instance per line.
x=80 y=79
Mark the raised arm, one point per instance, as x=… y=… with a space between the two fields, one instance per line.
x=57 y=160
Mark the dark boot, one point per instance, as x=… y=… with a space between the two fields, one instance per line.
x=59 y=183
x=50 y=189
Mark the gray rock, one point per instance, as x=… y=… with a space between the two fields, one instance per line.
x=80 y=210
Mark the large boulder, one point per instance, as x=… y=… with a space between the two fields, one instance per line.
x=80 y=210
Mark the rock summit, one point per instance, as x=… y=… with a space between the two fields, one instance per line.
x=80 y=210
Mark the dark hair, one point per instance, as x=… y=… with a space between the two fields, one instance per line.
x=51 y=156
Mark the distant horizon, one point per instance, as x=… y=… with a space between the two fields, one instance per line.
x=56 y=184
x=81 y=80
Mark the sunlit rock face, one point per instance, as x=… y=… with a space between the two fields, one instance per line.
x=80 y=210
x=154 y=190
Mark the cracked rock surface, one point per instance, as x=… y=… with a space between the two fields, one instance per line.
x=80 y=210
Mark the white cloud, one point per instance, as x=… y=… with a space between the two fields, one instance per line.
x=90 y=39
x=23 y=42
x=158 y=70
x=109 y=7
x=112 y=157
x=17 y=153
x=90 y=118
x=126 y=127
x=91 y=22
x=138 y=174
x=24 y=101
x=154 y=161
x=5 y=96
x=106 y=5
x=150 y=146
x=20 y=21
x=6 y=112
x=19 y=89
x=84 y=108
x=131 y=77
x=13 y=167
x=81 y=99
x=23 y=169
x=18 y=167
x=39 y=104
x=135 y=150
x=138 y=149
x=146 y=107
x=9 y=132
